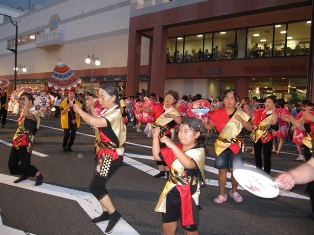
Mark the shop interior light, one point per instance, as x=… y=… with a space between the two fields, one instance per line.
x=263 y=40
x=308 y=22
x=200 y=35
x=256 y=35
x=283 y=32
x=179 y=38
x=277 y=25
x=289 y=37
x=223 y=32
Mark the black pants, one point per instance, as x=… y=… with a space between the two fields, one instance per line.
x=69 y=135
x=57 y=112
x=98 y=184
x=310 y=185
x=21 y=156
x=3 y=116
x=266 y=148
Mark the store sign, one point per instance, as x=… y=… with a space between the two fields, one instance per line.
x=276 y=69
x=211 y=71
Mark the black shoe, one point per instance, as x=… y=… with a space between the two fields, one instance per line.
x=69 y=149
x=113 y=220
x=64 y=149
x=22 y=177
x=160 y=174
x=2 y=126
x=39 y=180
x=104 y=216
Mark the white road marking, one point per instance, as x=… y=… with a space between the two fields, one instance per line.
x=86 y=200
x=90 y=204
x=152 y=171
x=33 y=152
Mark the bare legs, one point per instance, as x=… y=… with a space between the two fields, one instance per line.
x=106 y=204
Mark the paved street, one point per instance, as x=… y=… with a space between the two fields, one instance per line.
x=63 y=205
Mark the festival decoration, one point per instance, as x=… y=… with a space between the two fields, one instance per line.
x=4 y=83
x=199 y=109
x=40 y=98
x=63 y=78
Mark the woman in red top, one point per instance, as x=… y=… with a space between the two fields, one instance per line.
x=283 y=131
x=264 y=124
x=166 y=116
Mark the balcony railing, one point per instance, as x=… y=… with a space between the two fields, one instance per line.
x=53 y=38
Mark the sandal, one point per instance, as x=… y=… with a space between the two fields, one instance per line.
x=221 y=199
x=236 y=196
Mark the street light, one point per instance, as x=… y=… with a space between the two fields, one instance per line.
x=94 y=61
x=20 y=68
x=14 y=22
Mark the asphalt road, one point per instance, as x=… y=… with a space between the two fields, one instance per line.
x=63 y=205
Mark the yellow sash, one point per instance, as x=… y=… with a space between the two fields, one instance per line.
x=228 y=134
x=262 y=129
x=162 y=120
x=307 y=141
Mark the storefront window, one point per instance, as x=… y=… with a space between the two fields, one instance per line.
x=264 y=41
x=24 y=39
x=297 y=90
x=259 y=42
x=11 y=43
x=224 y=45
x=193 y=48
x=171 y=49
x=31 y=37
x=208 y=46
x=179 y=53
x=298 y=38
x=279 y=41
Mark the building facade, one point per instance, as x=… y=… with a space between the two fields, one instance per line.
x=69 y=31
x=256 y=47
x=201 y=47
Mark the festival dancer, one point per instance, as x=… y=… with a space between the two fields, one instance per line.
x=23 y=140
x=283 y=131
x=4 y=101
x=167 y=117
x=265 y=122
x=229 y=146
x=306 y=124
x=70 y=121
x=148 y=117
x=110 y=136
x=180 y=198
x=299 y=133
